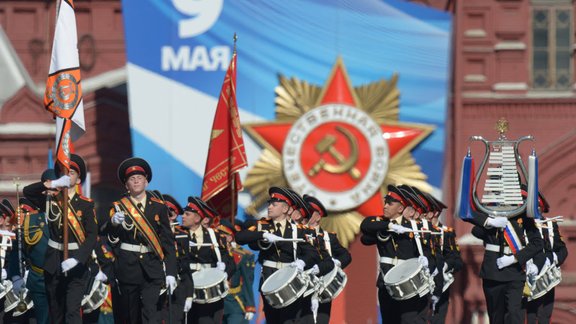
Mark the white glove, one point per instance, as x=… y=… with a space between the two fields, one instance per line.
x=248 y=316
x=101 y=276
x=17 y=284
x=68 y=264
x=170 y=284
x=299 y=264
x=188 y=305
x=547 y=264
x=63 y=181
x=531 y=269
x=434 y=301
x=496 y=222
x=504 y=261
x=396 y=228
x=423 y=261
x=271 y=238
x=337 y=263
x=221 y=266
x=314 y=307
x=4 y=274
x=315 y=270
x=445 y=269
x=555 y=258
x=435 y=273
x=118 y=217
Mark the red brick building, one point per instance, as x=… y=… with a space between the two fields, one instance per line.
x=511 y=58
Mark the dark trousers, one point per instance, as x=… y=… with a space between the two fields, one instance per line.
x=504 y=301
x=540 y=310
x=206 y=313
x=176 y=305
x=324 y=313
x=286 y=315
x=138 y=303
x=408 y=311
x=439 y=315
x=65 y=293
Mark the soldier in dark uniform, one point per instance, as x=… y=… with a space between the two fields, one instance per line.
x=451 y=253
x=340 y=256
x=388 y=232
x=201 y=248
x=65 y=280
x=35 y=241
x=274 y=254
x=502 y=268
x=143 y=244
x=555 y=253
x=239 y=306
x=6 y=214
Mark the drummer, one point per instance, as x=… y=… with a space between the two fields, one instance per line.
x=390 y=234
x=265 y=236
x=451 y=253
x=428 y=245
x=324 y=264
x=199 y=248
x=554 y=254
x=340 y=255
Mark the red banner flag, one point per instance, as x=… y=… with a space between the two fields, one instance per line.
x=226 y=154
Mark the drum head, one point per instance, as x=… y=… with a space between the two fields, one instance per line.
x=403 y=271
x=279 y=279
x=208 y=277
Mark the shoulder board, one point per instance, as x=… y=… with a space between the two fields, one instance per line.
x=252 y=228
x=263 y=221
x=85 y=198
x=180 y=229
x=154 y=199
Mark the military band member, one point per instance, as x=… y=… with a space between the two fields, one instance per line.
x=388 y=232
x=239 y=306
x=340 y=256
x=6 y=214
x=266 y=236
x=143 y=244
x=502 y=268
x=65 y=280
x=554 y=254
x=203 y=248
x=451 y=253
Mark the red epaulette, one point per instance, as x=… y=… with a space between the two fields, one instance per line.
x=180 y=229
x=154 y=199
x=86 y=198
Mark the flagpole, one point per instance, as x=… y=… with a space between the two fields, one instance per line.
x=65 y=220
x=233 y=191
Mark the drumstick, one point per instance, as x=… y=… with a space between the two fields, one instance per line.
x=553 y=219
x=201 y=244
x=419 y=231
x=287 y=240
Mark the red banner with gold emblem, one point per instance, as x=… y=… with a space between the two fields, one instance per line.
x=226 y=154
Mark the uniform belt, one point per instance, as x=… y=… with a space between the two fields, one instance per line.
x=496 y=248
x=392 y=261
x=60 y=246
x=275 y=264
x=36 y=269
x=235 y=290
x=135 y=248
x=198 y=266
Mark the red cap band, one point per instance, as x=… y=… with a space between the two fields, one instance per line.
x=396 y=196
x=317 y=208
x=134 y=168
x=282 y=197
x=171 y=206
x=197 y=209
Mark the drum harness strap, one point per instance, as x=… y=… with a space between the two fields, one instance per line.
x=327 y=242
x=215 y=244
x=417 y=236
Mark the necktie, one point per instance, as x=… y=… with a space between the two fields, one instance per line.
x=140 y=206
x=194 y=240
x=279 y=229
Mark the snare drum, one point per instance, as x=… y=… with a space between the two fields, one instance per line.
x=11 y=302
x=544 y=282
x=284 y=286
x=5 y=287
x=96 y=297
x=332 y=285
x=210 y=285
x=407 y=279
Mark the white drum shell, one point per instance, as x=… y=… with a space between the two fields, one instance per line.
x=544 y=282
x=407 y=279
x=332 y=284
x=96 y=298
x=210 y=285
x=284 y=286
x=11 y=302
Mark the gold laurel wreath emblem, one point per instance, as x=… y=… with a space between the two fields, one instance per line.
x=380 y=100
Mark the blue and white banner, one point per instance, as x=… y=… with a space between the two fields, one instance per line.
x=178 y=52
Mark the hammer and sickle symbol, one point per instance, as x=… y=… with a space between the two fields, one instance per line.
x=344 y=165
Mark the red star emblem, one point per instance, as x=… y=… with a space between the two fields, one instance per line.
x=401 y=138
